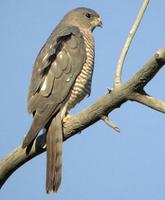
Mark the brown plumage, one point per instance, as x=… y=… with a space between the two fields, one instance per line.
x=61 y=78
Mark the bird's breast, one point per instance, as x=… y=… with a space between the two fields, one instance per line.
x=82 y=86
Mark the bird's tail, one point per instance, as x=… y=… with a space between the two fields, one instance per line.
x=54 y=141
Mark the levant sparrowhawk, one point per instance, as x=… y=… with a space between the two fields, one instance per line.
x=61 y=78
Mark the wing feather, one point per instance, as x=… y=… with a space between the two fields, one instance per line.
x=56 y=68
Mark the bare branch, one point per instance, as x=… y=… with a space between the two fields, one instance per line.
x=149 y=101
x=128 y=42
x=102 y=107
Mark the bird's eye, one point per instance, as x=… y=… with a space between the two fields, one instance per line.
x=88 y=15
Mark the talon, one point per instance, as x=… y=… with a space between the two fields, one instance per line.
x=67 y=117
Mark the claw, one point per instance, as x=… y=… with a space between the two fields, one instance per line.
x=67 y=117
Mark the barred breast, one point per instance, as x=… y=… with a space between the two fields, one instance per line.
x=82 y=86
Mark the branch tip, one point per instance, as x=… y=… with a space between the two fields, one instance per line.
x=110 y=123
x=160 y=54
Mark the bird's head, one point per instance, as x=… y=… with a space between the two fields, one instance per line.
x=83 y=17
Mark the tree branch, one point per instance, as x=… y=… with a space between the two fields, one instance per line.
x=128 y=42
x=149 y=101
x=143 y=76
x=102 y=107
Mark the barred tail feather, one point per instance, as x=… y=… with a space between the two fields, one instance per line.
x=54 y=154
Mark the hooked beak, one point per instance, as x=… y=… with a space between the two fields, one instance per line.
x=99 y=22
x=96 y=22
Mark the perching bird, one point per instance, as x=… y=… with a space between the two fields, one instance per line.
x=61 y=78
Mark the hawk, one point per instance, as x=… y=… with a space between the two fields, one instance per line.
x=61 y=78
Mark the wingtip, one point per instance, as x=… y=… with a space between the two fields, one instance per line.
x=24 y=145
x=25 y=142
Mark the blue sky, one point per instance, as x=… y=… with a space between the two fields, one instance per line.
x=97 y=164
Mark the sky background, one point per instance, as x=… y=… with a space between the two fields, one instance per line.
x=97 y=164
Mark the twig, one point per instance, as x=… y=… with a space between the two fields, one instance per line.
x=128 y=42
x=110 y=123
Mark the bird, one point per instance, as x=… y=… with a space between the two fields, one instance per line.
x=61 y=78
